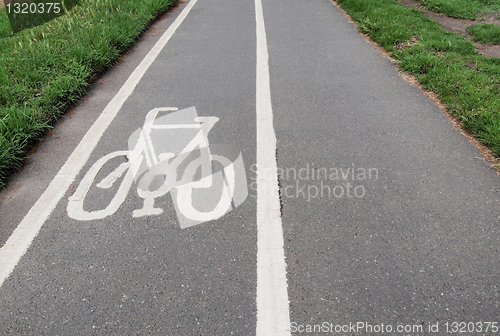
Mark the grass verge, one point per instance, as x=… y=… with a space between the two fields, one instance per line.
x=447 y=64
x=485 y=33
x=462 y=9
x=46 y=69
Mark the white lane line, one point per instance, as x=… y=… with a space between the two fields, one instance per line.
x=28 y=229
x=273 y=316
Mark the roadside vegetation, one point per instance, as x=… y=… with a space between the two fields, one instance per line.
x=467 y=83
x=485 y=33
x=45 y=69
x=462 y=9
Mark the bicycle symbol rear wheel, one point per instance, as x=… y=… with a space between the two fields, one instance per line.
x=76 y=201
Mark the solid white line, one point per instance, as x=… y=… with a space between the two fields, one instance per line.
x=20 y=240
x=273 y=316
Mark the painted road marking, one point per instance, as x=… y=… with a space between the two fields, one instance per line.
x=20 y=240
x=273 y=316
x=144 y=165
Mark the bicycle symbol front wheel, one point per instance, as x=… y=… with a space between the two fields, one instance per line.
x=222 y=184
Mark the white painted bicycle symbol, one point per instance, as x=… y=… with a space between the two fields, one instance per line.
x=205 y=182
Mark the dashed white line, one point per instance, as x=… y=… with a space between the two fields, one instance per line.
x=22 y=237
x=273 y=317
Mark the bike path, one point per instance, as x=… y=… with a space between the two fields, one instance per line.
x=417 y=242
x=144 y=275
x=419 y=246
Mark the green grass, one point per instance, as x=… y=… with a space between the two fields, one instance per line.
x=22 y=17
x=447 y=64
x=462 y=9
x=45 y=69
x=485 y=33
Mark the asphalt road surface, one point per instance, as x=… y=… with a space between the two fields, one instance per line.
x=301 y=187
